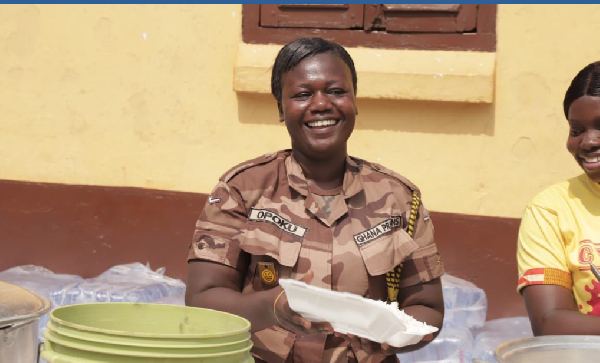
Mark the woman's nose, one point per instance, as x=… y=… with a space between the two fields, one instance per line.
x=320 y=102
x=591 y=140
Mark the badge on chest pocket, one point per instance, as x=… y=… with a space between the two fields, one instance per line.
x=267 y=273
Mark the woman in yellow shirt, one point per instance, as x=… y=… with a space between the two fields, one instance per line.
x=559 y=235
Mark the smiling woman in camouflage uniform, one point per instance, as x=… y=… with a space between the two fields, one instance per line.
x=314 y=214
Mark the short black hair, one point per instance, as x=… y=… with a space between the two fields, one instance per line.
x=295 y=52
x=585 y=83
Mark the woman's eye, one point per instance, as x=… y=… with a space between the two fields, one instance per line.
x=337 y=91
x=302 y=95
x=575 y=132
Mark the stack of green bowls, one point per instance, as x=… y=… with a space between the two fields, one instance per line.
x=148 y=333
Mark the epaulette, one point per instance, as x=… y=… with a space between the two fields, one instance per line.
x=389 y=172
x=263 y=159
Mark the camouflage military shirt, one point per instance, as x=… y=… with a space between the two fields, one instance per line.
x=264 y=208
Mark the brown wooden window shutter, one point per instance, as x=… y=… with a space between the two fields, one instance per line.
x=400 y=26
x=327 y=16
x=422 y=18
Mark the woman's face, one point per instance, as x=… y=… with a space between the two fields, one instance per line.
x=584 y=134
x=318 y=105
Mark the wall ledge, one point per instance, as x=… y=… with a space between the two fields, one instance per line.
x=452 y=76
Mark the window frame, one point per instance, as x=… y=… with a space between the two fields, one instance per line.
x=484 y=39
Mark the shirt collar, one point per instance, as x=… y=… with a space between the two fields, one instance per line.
x=351 y=186
x=595 y=187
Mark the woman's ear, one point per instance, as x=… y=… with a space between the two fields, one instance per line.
x=281 y=118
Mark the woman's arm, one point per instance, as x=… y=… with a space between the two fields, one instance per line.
x=423 y=302
x=553 y=311
x=215 y=286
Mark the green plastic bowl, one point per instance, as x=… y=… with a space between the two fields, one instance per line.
x=152 y=322
x=148 y=333
x=224 y=342
x=55 y=340
x=58 y=353
x=138 y=351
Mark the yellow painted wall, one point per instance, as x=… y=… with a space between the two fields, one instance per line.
x=142 y=95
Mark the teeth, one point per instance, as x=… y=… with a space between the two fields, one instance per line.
x=591 y=160
x=321 y=123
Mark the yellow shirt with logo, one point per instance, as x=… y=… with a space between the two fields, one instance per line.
x=559 y=237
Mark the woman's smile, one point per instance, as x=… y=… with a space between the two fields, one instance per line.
x=321 y=124
x=590 y=162
x=322 y=128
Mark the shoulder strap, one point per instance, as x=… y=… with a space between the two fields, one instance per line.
x=389 y=172
x=248 y=164
x=392 y=278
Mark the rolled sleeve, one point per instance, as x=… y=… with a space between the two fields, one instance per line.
x=424 y=264
x=217 y=232
x=541 y=254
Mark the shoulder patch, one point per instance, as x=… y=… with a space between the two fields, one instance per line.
x=389 y=172
x=261 y=160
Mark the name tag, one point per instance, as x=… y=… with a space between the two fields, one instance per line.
x=263 y=215
x=379 y=230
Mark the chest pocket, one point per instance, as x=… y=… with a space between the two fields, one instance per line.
x=386 y=252
x=267 y=233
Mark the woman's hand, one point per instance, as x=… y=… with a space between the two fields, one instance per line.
x=292 y=321
x=373 y=347
x=424 y=302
